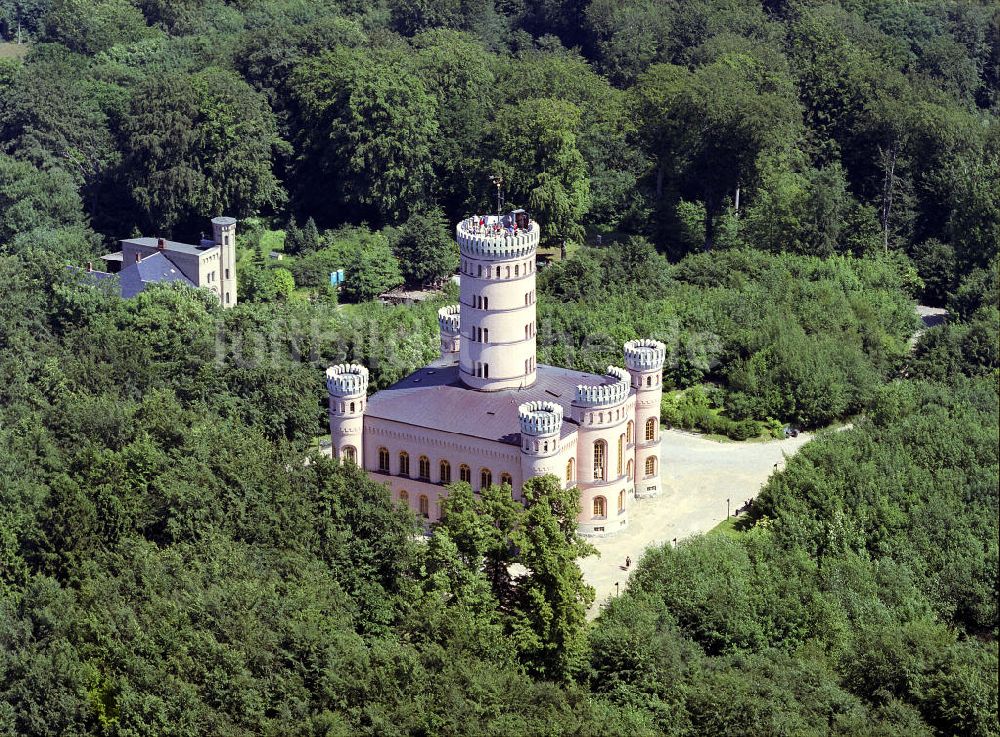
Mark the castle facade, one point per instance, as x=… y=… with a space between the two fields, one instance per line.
x=487 y=413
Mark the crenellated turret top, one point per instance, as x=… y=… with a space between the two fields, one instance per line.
x=540 y=418
x=496 y=237
x=449 y=319
x=605 y=395
x=347 y=379
x=645 y=355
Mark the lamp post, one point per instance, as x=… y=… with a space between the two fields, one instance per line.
x=616 y=588
x=727 y=509
x=497 y=180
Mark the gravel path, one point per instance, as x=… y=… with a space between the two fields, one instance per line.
x=698 y=476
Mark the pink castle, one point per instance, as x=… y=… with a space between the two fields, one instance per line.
x=486 y=413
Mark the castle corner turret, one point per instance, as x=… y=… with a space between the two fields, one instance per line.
x=347 y=385
x=644 y=361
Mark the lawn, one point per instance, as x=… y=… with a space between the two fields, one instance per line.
x=272 y=240
x=726 y=527
x=732 y=527
x=554 y=253
x=13 y=51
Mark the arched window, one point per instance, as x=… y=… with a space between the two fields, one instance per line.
x=570 y=468
x=651 y=465
x=649 y=381
x=486 y=335
x=425 y=506
x=350 y=454
x=600 y=461
x=485 y=479
x=486 y=371
x=465 y=474
x=517 y=269
x=506 y=478
x=479 y=271
x=383 y=460
x=651 y=428
x=352 y=406
x=628 y=470
x=424 y=468
x=621 y=454
x=404 y=463
x=508 y=272
x=600 y=506
x=629 y=429
x=498 y=272
x=444 y=468
x=486 y=303
x=404 y=497
x=621 y=500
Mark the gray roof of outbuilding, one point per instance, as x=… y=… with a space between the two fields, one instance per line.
x=434 y=397
x=170 y=245
x=153 y=269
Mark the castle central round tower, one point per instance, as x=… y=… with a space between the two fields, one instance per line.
x=497 y=346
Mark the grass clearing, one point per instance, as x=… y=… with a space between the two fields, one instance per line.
x=726 y=527
x=272 y=240
x=13 y=50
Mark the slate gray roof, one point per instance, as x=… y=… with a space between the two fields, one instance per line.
x=170 y=245
x=151 y=270
x=434 y=397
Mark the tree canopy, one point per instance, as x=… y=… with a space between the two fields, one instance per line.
x=767 y=186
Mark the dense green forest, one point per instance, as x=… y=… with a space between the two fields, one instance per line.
x=768 y=186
